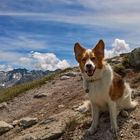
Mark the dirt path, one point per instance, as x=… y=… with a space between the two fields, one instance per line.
x=62 y=97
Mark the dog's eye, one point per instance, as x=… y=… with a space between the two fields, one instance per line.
x=92 y=58
x=83 y=59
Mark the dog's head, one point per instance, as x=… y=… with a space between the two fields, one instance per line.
x=90 y=59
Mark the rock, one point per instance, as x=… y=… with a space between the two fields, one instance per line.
x=3 y=105
x=71 y=74
x=124 y=114
x=52 y=129
x=61 y=106
x=4 y=127
x=27 y=122
x=15 y=122
x=136 y=125
x=48 y=120
x=40 y=95
x=29 y=137
x=135 y=58
x=64 y=77
x=135 y=93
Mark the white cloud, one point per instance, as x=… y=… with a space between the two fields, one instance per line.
x=6 y=67
x=43 y=61
x=118 y=46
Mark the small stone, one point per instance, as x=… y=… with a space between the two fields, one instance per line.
x=15 y=122
x=3 y=105
x=40 y=95
x=136 y=93
x=61 y=106
x=136 y=125
x=124 y=114
x=71 y=74
x=27 y=122
x=48 y=120
x=64 y=77
x=4 y=127
x=121 y=134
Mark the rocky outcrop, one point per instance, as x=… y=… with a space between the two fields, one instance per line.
x=18 y=76
x=50 y=128
x=134 y=58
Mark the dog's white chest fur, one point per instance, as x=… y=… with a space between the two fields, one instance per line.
x=99 y=89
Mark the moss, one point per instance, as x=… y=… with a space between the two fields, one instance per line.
x=126 y=62
x=71 y=124
x=120 y=69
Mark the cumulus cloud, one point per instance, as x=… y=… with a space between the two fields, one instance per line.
x=118 y=46
x=43 y=61
x=6 y=67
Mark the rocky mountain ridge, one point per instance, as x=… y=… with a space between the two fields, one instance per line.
x=18 y=76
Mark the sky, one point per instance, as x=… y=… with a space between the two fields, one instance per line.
x=40 y=34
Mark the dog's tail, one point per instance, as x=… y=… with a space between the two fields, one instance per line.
x=84 y=107
x=128 y=103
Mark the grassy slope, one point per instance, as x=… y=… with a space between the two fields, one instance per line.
x=11 y=92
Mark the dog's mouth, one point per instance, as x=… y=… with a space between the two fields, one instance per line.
x=90 y=72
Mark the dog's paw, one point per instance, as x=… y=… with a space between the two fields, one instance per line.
x=91 y=131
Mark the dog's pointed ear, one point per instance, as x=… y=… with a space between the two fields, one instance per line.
x=79 y=50
x=99 y=49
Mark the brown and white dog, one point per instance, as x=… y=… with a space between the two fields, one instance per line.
x=106 y=89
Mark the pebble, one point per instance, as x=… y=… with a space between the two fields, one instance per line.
x=136 y=125
x=64 y=77
x=71 y=74
x=61 y=106
x=40 y=95
x=48 y=120
x=124 y=114
x=15 y=122
x=3 y=105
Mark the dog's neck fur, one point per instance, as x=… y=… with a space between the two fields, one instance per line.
x=98 y=75
x=104 y=74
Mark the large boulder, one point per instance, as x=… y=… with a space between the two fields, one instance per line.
x=134 y=58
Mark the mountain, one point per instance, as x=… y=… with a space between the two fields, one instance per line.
x=18 y=76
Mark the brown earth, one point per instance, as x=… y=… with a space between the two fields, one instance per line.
x=62 y=97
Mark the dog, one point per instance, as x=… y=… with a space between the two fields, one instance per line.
x=106 y=89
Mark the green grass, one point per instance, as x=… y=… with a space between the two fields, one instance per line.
x=126 y=62
x=71 y=124
x=11 y=92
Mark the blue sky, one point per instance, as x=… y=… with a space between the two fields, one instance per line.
x=40 y=34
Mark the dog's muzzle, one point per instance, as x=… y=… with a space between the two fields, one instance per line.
x=90 y=70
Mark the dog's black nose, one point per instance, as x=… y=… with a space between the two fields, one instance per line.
x=88 y=66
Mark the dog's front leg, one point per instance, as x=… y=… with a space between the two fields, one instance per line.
x=85 y=85
x=95 y=118
x=113 y=116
